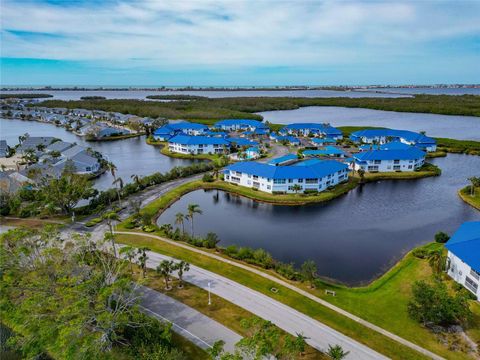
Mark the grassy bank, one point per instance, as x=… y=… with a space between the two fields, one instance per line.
x=458 y=146
x=383 y=302
x=291 y=298
x=169 y=153
x=465 y=195
x=245 y=107
x=220 y=310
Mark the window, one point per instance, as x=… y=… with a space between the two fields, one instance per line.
x=475 y=274
x=471 y=285
x=279 y=181
x=269 y=187
x=377 y=162
x=235 y=179
x=372 y=168
x=255 y=177
x=300 y=180
x=396 y=167
x=311 y=181
x=290 y=180
x=410 y=166
x=396 y=161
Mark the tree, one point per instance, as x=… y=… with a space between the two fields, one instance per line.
x=180 y=220
x=294 y=346
x=181 y=268
x=118 y=181
x=309 y=272
x=128 y=253
x=192 y=210
x=431 y=304
x=67 y=191
x=336 y=352
x=436 y=260
x=136 y=179
x=441 y=237
x=29 y=156
x=361 y=173
x=296 y=188
x=475 y=182
x=142 y=259
x=109 y=218
x=211 y=240
x=262 y=339
x=165 y=268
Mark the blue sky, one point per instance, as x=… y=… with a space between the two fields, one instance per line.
x=235 y=43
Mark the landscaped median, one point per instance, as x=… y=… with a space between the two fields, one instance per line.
x=469 y=198
x=382 y=303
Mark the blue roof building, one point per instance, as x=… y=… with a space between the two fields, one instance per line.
x=241 y=141
x=240 y=124
x=194 y=145
x=463 y=261
x=323 y=141
x=292 y=140
x=252 y=152
x=167 y=131
x=315 y=129
x=383 y=136
x=326 y=151
x=389 y=160
x=283 y=160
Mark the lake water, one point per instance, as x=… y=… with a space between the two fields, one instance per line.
x=353 y=238
x=431 y=91
x=131 y=156
x=450 y=126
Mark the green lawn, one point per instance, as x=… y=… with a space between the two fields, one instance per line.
x=374 y=303
x=220 y=309
x=466 y=196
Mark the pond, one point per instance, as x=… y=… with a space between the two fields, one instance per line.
x=448 y=126
x=131 y=156
x=352 y=239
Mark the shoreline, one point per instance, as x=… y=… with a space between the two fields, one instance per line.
x=467 y=198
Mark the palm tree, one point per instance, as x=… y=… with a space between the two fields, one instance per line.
x=165 y=269
x=192 y=210
x=296 y=188
x=136 y=179
x=336 y=352
x=475 y=183
x=436 y=261
x=128 y=253
x=181 y=267
x=309 y=272
x=361 y=173
x=118 y=181
x=142 y=259
x=23 y=137
x=110 y=217
x=180 y=220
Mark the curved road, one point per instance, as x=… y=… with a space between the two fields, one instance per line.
x=292 y=321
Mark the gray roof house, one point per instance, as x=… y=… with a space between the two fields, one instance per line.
x=32 y=142
x=3 y=148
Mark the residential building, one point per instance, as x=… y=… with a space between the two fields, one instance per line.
x=382 y=136
x=185 y=144
x=169 y=130
x=240 y=124
x=389 y=160
x=284 y=160
x=463 y=259
x=312 y=129
x=3 y=148
x=252 y=152
x=331 y=151
x=287 y=179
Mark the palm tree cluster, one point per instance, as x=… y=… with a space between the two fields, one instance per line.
x=167 y=267
x=180 y=218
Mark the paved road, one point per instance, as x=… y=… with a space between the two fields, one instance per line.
x=188 y=322
x=292 y=321
x=276 y=150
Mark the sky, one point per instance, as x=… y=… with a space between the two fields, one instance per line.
x=238 y=42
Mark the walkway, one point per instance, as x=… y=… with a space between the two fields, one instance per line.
x=292 y=321
x=296 y=289
x=188 y=322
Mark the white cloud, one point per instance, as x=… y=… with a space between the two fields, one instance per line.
x=231 y=33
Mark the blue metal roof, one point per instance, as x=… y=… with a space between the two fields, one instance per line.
x=313 y=127
x=323 y=140
x=465 y=244
x=394 y=145
x=241 y=123
x=282 y=159
x=307 y=162
x=410 y=136
x=328 y=150
x=314 y=171
x=180 y=126
x=242 y=141
x=198 y=140
x=368 y=147
x=412 y=153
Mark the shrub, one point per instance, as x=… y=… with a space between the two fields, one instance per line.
x=311 y=192
x=432 y=305
x=211 y=241
x=441 y=237
x=149 y=228
x=421 y=252
x=130 y=225
x=207 y=178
